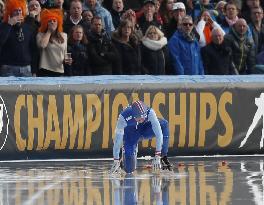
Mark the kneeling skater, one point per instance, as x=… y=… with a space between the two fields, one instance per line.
x=137 y=122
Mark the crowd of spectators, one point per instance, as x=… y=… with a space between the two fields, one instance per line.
x=131 y=37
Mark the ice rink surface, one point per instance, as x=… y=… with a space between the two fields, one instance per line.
x=194 y=181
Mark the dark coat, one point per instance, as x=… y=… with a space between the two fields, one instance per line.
x=143 y=24
x=80 y=65
x=103 y=54
x=217 y=59
x=155 y=62
x=243 y=52
x=130 y=55
x=14 y=50
x=258 y=37
x=116 y=17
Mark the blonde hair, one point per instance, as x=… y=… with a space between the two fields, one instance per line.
x=156 y=29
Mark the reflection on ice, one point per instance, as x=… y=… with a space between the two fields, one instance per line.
x=197 y=182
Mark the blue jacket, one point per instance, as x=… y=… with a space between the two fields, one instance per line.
x=185 y=55
x=104 y=14
x=126 y=120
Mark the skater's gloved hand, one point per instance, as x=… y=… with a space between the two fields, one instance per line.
x=156 y=165
x=115 y=167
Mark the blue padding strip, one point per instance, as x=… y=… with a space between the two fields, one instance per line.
x=138 y=79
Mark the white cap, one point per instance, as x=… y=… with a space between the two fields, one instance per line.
x=178 y=5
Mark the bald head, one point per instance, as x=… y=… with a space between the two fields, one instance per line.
x=241 y=26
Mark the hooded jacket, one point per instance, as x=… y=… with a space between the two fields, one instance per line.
x=185 y=55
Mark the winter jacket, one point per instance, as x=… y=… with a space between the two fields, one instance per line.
x=116 y=17
x=103 y=54
x=144 y=25
x=154 y=56
x=217 y=59
x=242 y=50
x=81 y=63
x=185 y=55
x=258 y=37
x=17 y=50
x=129 y=53
x=200 y=29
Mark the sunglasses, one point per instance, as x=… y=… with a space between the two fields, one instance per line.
x=187 y=24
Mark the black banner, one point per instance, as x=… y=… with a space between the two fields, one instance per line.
x=78 y=120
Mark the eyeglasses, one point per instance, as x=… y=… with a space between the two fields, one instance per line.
x=187 y=24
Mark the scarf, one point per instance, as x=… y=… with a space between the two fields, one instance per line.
x=154 y=45
x=230 y=21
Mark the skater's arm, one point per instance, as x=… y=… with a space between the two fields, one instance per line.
x=156 y=129
x=119 y=132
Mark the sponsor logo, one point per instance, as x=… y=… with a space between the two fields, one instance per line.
x=257 y=117
x=4 y=123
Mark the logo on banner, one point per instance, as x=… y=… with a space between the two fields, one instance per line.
x=258 y=115
x=4 y=122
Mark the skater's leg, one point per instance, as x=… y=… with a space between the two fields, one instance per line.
x=131 y=137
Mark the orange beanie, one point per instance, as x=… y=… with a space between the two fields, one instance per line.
x=12 y=5
x=49 y=14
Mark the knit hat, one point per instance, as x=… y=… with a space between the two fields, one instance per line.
x=139 y=109
x=50 y=14
x=11 y=6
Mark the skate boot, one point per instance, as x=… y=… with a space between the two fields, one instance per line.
x=165 y=164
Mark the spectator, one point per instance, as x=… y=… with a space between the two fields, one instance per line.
x=64 y=6
x=75 y=17
x=97 y=10
x=87 y=16
x=154 y=52
x=33 y=18
x=242 y=47
x=77 y=47
x=178 y=13
x=220 y=8
x=128 y=48
x=204 y=27
x=58 y=4
x=52 y=43
x=246 y=9
x=185 y=50
x=257 y=28
x=166 y=10
x=117 y=11
x=201 y=6
x=131 y=16
x=2 y=6
x=148 y=18
x=17 y=41
x=231 y=17
x=103 y=54
x=217 y=56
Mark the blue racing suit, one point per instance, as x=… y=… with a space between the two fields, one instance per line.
x=129 y=132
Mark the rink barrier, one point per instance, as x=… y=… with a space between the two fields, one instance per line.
x=75 y=117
